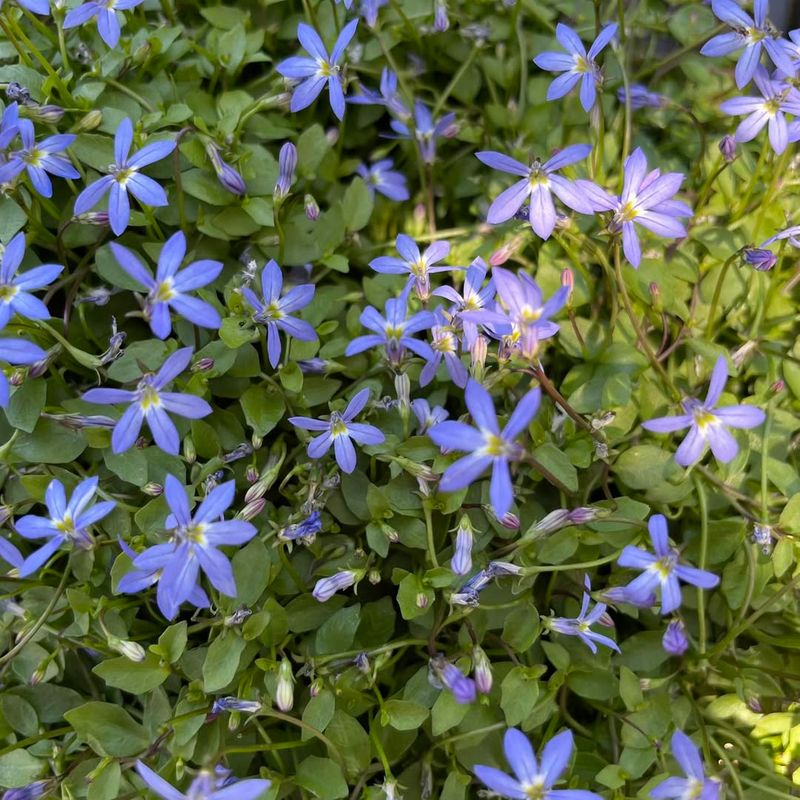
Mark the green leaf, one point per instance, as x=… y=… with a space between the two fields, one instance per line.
x=519 y=693
x=319 y=712
x=222 y=661
x=172 y=642
x=204 y=186
x=136 y=677
x=338 y=633
x=405 y=715
x=322 y=777
x=108 y=729
x=236 y=331
x=19 y=768
x=251 y=571
x=26 y=405
x=645 y=466
x=357 y=205
x=12 y=219
x=558 y=464
x=630 y=689
x=50 y=443
x=446 y=713
x=263 y=408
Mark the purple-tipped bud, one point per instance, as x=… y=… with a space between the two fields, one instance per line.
x=226 y=174
x=313 y=366
x=252 y=509
x=463 y=688
x=311 y=207
x=675 y=641
x=441 y=21
x=47 y=113
x=619 y=594
x=422 y=600
x=763 y=260
x=239 y=452
x=235 y=704
x=499 y=569
x=482 y=669
x=203 y=364
x=461 y=563
x=92 y=218
x=287 y=164
x=362 y=663
x=727 y=147
x=326 y=588
x=251 y=474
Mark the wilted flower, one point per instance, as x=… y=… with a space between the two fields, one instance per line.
x=305 y=530
x=427 y=416
x=235 y=704
x=339 y=430
x=67 y=521
x=661 y=570
x=708 y=424
x=226 y=174
x=576 y=64
x=760 y=258
x=641 y=97
x=169 y=289
x=451 y=677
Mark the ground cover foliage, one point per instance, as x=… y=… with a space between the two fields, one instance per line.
x=394 y=390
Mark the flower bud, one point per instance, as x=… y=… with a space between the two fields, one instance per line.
x=727 y=147
x=422 y=600
x=441 y=21
x=311 y=207
x=675 y=641
x=402 y=386
x=778 y=386
x=374 y=577
x=252 y=509
x=131 y=650
x=240 y=451
x=478 y=352
x=48 y=113
x=203 y=364
x=655 y=296
x=235 y=704
x=238 y=617
x=89 y=121
x=760 y=258
x=251 y=473
x=153 y=489
x=284 y=694
x=362 y=663
x=33 y=791
x=5 y=514
x=189 y=451
x=325 y=588
x=332 y=136
x=313 y=366
x=287 y=163
x=98 y=218
x=461 y=563
x=482 y=669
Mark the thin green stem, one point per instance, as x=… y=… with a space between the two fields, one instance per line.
x=429 y=529
x=712 y=311
x=454 y=82
x=701 y=563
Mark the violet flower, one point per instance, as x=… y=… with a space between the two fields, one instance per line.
x=194 y=542
x=474 y=297
x=708 y=424
x=418 y=266
x=206 y=785
x=106 y=11
x=326 y=588
x=776 y=100
x=645 y=200
x=539 y=182
x=695 y=784
x=339 y=430
x=576 y=64
x=394 y=331
x=150 y=403
x=662 y=570
x=124 y=176
x=580 y=626
x=67 y=521
x=462 y=688
x=445 y=345
x=39 y=159
x=275 y=311
x=168 y=290
x=318 y=69
x=675 y=642
x=427 y=416
x=426 y=130
x=15 y=289
x=641 y=97
x=387 y=96
x=533 y=779
x=16 y=352
x=750 y=34
x=380 y=177
x=486 y=444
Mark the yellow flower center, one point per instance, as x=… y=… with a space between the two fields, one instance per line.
x=535 y=790
x=628 y=212
x=149 y=399
x=164 y=291
x=7 y=292
x=122 y=176
x=65 y=525
x=703 y=419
